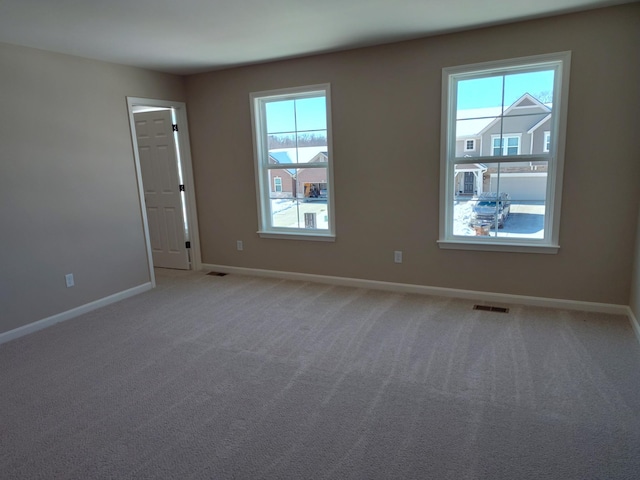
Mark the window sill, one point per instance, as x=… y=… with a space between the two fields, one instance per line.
x=315 y=237
x=498 y=247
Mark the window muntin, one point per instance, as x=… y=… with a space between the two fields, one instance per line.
x=517 y=109
x=293 y=162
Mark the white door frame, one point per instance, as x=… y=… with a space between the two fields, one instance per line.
x=184 y=148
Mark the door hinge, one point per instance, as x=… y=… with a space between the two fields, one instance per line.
x=187 y=244
x=181 y=188
x=175 y=127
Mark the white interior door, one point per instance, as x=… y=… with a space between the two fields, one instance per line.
x=159 y=168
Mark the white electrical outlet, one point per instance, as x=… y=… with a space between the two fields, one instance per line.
x=69 y=279
x=240 y=245
x=397 y=256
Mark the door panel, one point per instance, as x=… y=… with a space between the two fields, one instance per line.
x=469 y=182
x=159 y=167
x=154 y=228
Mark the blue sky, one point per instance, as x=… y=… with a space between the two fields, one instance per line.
x=487 y=92
x=305 y=114
x=309 y=114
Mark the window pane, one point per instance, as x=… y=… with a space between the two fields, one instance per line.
x=462 y=216
x=291 y=213
x=538 y=85
x=523 y=98
x=526 y=185
x=298 y=155
x=312 y=138
x=302 y=203
x=508 y=200
x=479 y=93
x=280 y=116
x=312 y=183
x=284 y=212
x=283 y=155
x=311 y=114
x=473 y=127
x=468 y=183
x=282 y=140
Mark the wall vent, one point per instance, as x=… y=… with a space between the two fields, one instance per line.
x=489 y=308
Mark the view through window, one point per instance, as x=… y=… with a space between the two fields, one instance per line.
x=502 y=190
x=293 y=161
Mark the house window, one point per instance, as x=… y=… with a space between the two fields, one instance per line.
x=505 y=145
x=547 y=141
x=504 y=104
x=292 y=145
x=469 y=145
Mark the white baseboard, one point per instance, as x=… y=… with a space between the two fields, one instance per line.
x=74 y=312
x=634 y=323
x=426 y=290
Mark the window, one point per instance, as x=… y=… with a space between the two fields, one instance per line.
x=469 y=145
x=547 y=141
x=292 y=145
x=517 y=110
x=506 y=145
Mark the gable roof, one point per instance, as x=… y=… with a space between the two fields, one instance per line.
x=286 y=156
x=474 y=122
x=526 y=101
x=297 y=155
x=539 y=124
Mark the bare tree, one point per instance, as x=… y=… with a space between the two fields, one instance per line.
x=546 y=96
x=304 y=140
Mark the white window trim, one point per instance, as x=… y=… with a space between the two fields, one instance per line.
x=561 y=62
x=261 y=164
x=472 y=149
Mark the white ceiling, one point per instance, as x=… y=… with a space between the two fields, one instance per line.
x=189 y=36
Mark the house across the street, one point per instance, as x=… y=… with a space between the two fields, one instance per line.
x=525 y=129
x=300 y=183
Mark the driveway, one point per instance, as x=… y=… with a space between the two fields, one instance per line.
x=525 y=220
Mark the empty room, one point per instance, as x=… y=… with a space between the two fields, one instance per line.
x=340 y=240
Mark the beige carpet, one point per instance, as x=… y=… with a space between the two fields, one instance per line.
x=245 y=378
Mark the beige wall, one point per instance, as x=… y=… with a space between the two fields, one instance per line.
x=69 y=199
x=386 y=126
x=634 y=300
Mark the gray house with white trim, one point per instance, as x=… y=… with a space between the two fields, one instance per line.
x=526 y=129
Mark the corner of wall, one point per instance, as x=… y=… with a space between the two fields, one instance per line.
x=634 y=295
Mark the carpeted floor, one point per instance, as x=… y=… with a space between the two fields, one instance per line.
x=246 y=378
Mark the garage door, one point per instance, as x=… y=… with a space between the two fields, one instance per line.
x=522 y=186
